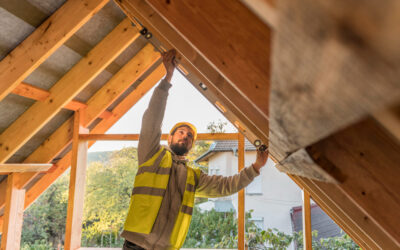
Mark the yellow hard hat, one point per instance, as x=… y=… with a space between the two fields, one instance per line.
x=180 y=124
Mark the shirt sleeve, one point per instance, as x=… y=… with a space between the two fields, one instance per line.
x=212 y=186
x=150 y=133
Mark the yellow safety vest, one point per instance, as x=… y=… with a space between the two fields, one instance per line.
x=151 y=182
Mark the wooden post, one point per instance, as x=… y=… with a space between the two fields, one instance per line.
x=241 y=211
x=73 y=230
x=307 y=237
x=13 y=215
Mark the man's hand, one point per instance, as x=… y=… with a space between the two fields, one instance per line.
x=261 y=160
x=169 y=63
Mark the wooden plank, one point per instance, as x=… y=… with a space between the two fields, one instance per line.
x=255 y=123
x=238 y=50
x=307 y=237
x=49 y=36
x=13 y=215
x=369 y=158
x=40 y=186
x=77 y=183
x=241 y=198
x=61 y=138
x=121 y=81
x=31 y=92
x=66 y=88
x=38 y=94
x=350 y=68
x=24 y=167
x=135 y=137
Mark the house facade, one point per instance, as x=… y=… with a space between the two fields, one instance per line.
x=271 y=195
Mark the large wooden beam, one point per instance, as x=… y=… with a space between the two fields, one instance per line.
x=63 y=164
x=367 y=157
x=239 y=108
x=61 y=138
x=77 y=181
x=351 y=218
x=349 y=69
x=66 y=88
x=13 y=215
x=24 y=167
x=49 y=36
x=135 y=137
x=241 y=198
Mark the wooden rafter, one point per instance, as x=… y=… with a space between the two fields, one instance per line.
x=49 y=36
x=66 y=88
x=24 y=167
x=239 y=109
x=62 y=138
x=38 y=94
x=131 y=72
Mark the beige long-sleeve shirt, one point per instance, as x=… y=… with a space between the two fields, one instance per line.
x=208 y=185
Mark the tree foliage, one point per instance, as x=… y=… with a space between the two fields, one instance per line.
x=108 y=191
x=44 y=221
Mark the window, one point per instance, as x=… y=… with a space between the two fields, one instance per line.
x=258 y=221
x=255 y=187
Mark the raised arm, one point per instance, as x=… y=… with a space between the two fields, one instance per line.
x=150 y=133
x=212 y=186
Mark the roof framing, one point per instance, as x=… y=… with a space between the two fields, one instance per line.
x=103 y=98
x=48 y=37
x=66 y=88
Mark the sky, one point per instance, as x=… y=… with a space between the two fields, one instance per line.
x=185 y=103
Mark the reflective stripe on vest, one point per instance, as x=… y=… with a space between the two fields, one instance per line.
x=184 y=217
x=150 y=185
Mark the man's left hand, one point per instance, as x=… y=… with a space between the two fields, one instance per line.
x=262 y=157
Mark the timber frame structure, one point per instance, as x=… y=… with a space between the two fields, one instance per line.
x=316 y=81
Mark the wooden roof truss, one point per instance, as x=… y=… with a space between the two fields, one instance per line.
x=316 y=81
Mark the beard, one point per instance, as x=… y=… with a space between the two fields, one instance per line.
x=179 y=149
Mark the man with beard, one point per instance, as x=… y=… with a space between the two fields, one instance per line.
x=163 y=195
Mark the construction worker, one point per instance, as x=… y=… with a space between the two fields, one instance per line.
x=163 y=195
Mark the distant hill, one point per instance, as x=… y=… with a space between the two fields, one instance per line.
x=102 y=156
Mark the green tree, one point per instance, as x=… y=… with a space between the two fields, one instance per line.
x=44 y=221
x=217 y=126
x=108 y=191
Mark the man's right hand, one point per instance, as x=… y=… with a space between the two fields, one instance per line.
x=169 y=63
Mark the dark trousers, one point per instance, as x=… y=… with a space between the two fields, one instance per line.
x=131 y=246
